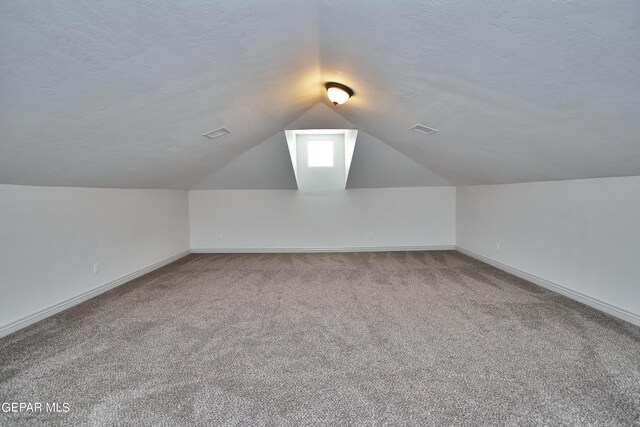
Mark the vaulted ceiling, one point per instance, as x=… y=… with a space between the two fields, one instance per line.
x=119 y=93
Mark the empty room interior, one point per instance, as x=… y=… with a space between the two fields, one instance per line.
x=320 y=212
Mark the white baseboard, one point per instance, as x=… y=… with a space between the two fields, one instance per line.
x=56 y=308
x=606 y=307
x=313 y=250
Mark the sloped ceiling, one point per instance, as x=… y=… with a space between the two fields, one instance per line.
x=268 y=166
x=117 y=94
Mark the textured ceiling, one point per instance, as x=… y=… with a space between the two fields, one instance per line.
x=118 y=93
x=268 y=165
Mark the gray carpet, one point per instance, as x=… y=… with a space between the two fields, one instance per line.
x=410 y=338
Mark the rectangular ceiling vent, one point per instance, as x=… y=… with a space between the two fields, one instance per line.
x=217 y=133
x=424 y=129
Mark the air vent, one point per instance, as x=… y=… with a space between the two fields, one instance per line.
x=424 y=129
x=217 y=133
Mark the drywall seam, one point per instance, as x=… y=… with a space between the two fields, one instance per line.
x=84 y=296
x=605 y=307
x=327 y=250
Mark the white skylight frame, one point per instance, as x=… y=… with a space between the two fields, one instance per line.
x=350 y=136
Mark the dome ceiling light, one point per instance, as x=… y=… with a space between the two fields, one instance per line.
x=338 y=93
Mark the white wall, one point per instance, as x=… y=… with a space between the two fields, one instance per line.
x=50 y=237
x=284 y=219
x=583 y=235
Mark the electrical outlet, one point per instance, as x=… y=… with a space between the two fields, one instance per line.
x=96 y=268
x=370 y=235
x=498 y=246
x=219 y=236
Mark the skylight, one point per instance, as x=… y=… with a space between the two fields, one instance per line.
x=320 y=154
x=321 y=158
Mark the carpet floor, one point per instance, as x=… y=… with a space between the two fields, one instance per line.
x=409 y=338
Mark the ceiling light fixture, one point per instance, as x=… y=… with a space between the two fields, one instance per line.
x=338 y=93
